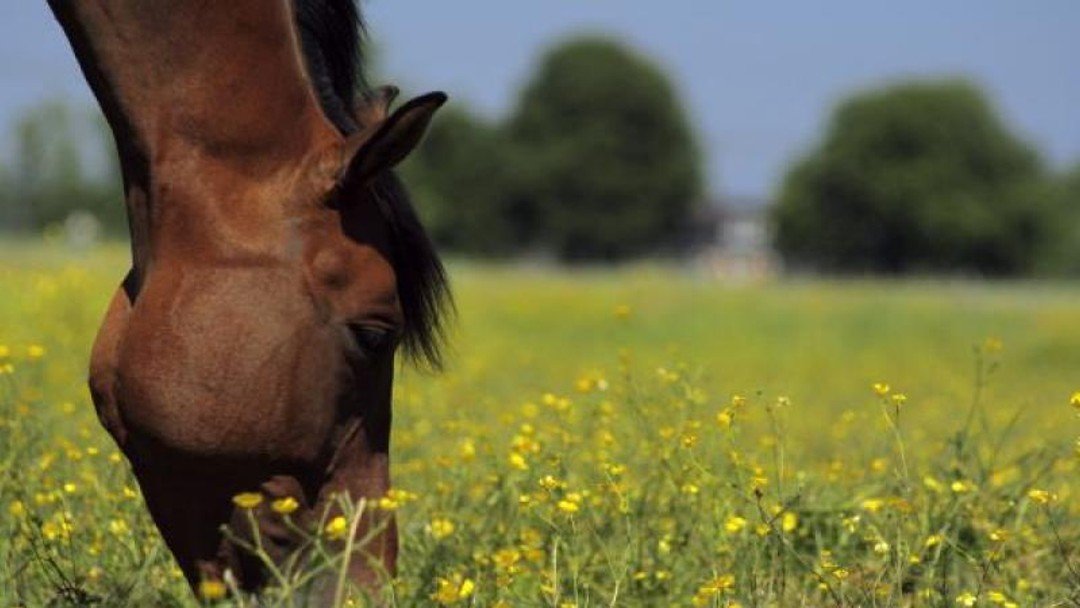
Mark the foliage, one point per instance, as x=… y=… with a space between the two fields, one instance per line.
x=920 y=176
x=63 y=161
x=610 y=162
x=462 y=177
x=631 y=438
x=1061 y=253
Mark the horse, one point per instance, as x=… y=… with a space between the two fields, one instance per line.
x=278 y=269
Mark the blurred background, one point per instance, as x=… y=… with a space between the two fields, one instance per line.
x=744 y=139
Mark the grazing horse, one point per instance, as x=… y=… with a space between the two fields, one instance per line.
x=277 y=265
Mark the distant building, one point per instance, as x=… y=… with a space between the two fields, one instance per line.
x=733 y=240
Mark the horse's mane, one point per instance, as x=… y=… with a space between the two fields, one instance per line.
x=331 y=34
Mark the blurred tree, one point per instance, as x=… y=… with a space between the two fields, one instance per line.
x=460 y=177
x=916 y=177
x=62 y=161
x=606 y=161
x=1061 y=256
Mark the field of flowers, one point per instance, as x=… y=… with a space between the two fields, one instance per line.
x=639 y=437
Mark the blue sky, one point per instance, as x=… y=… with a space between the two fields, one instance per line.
x=758 y=77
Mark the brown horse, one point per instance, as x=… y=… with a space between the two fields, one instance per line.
x=276 y=266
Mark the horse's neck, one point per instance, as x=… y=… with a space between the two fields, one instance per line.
x=193 y=87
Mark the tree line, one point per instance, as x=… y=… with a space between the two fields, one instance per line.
x=598 y=162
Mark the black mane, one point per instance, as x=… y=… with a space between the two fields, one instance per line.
x=331 y=34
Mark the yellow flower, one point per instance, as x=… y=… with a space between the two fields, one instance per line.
x=440 y=528
x=1041 y=497
x=1075 y=401
x=567 y=506
x=337 y=528
x=789 y=522
x=961 y=486
x=118 y=527
x=212 y=590
x=17 y=509
x=285 y=506
x=35 y=351
x=881 y=389
x=247 y=500
x=517 y=461
x=453 y=590
x=899 y=399
x=725 y=418
x=5 y=351
x=734 y=524
x=933 y=540
x=966 y=599
x=872 y=505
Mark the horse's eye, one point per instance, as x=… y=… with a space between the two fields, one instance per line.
x=374 y=340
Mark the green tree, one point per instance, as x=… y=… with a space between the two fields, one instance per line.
x=920 y=176
x=607 y=163
x=460 y=177
x=1061 y=256
x=63 y=161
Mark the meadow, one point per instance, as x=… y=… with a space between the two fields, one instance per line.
x=635 y=437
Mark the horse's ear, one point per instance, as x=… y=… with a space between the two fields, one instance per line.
x=383 y=145
x=374 y=106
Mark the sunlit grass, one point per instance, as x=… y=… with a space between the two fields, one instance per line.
x=639 y=437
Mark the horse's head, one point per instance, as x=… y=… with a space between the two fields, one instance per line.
x=371 y=272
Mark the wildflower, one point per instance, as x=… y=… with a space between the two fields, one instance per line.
x=783 y=401
x=689 y=489
x=734 y=524
x=725 y=418
x=59 y=527
x=285 y=506
x=872 y=505
x=118 y=527
x=881 y=547
x=210 y=590
x=720 y=584
x=881 y=389
x=5 y=351
x=35 y=351
x=1075 y=401
x=506 y=559
x=453 y=590
x=394 y=499
x=1041 y=497
x=550 y=483
x=999 y=535
x=961 y=486
x=899 y=399
x=467 y=450
x=667 y=376
x=247 y=500
x=440 y=528
x=789 y=522
x=518 y=462
x=737 y=401
x=337 y=528
x=70 y=488
x=568 y=506
x=17 y=509
x=933 y=540
x=966 y=599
